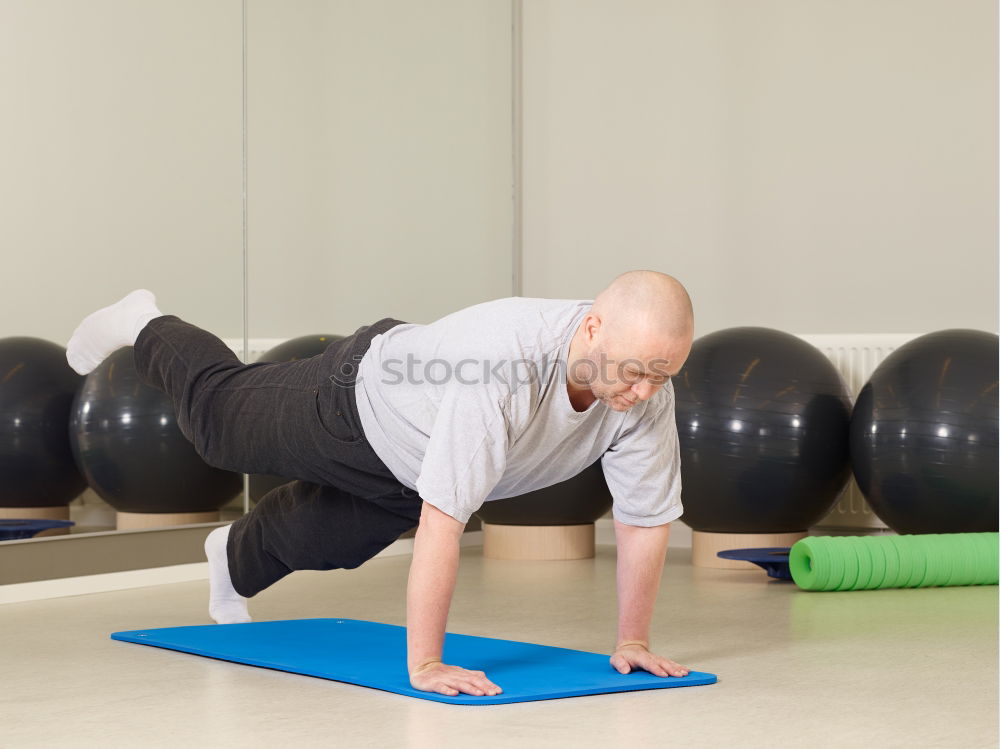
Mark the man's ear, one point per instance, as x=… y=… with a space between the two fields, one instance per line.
x=591 y=327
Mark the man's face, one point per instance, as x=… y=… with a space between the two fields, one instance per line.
x=623 y=373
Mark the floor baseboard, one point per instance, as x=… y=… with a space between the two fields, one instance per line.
x=182 y=573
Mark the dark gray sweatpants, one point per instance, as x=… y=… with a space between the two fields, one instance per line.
x=297 y=419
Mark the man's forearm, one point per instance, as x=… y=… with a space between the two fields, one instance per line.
x=433 y=571
x=641 y=553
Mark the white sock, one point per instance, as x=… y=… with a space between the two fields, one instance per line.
x=103 y=332
x=225 y=605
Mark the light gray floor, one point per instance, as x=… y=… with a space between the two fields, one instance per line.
x=895 y=668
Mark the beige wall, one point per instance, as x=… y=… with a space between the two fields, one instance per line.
x=811 y=166
x=808 y=165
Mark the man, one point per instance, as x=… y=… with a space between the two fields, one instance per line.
x=406 y=425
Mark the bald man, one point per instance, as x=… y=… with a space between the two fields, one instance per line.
x=402 y=425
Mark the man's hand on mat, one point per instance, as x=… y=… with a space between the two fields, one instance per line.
x=450 y=680
x=635 y=655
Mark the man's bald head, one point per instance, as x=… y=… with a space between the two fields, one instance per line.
x=636 y=336
x=645 y=304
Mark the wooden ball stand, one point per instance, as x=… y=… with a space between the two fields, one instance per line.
x=38 y=513
x=705 y=546
x=134 y=521
x=538 y=542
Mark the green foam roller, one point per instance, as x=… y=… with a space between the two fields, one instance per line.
x=802 y=557
x=913 y=561
x=823 y=566
x=992 y=567
x=891 y=562
x=942 y=559
x=918 y=555
x=962 y=564
x=904 y=564
x=974 y=550
x=916 y=563
x=967 y=556
x=986 y=573
x=934 y=566
x=835 y=559
x=864 y=564
x=808 y=559
x=878 y=565
x=852 y=567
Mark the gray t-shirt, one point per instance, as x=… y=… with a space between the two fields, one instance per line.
x=474 y=407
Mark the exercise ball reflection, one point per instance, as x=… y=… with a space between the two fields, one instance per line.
x=924 y=435
x=302 y=347
x=37 y=388
x=127 y=443
x=763 y=420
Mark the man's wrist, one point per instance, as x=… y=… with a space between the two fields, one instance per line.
x=424 y=664
x=626 y=643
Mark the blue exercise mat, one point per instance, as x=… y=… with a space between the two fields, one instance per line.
x=371 y=654
x=14 y=528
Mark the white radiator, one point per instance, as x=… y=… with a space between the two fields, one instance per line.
x=855 y=356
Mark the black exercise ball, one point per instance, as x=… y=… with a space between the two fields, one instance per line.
x=302 y=347
x=37 y=388
x=575 y=501
x=763 y=420
x=924 y=435
x=293 y=349
x=126 y=440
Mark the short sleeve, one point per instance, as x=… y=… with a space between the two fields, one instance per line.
x=643 y=467
x=467 y=451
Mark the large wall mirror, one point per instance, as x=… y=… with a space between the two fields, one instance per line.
x=374 y=140
x=123 y=170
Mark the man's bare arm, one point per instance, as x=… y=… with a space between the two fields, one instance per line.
x=433 y=572
x=641 y=553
